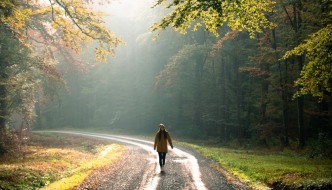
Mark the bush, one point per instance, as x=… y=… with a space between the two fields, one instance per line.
x=322 y=147
x=11 y=142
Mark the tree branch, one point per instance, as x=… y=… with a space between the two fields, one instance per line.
x=289 y=18
x=74 y=21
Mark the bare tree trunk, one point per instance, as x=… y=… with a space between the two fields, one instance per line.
x=180 y=108
x=297 y=8
x=265 y=67
x=284 y=99
x=3 y=114
x=284 y=92
x=226 y=112
x=296 y=22
x=238 y=92
x=300 y=112
x=223 y=109
x=198 y=94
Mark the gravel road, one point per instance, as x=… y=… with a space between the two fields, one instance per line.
x=138 y=168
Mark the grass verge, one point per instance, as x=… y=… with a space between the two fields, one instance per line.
x=56 y=161
x=266 y=169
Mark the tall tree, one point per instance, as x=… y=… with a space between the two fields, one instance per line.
x=41 y=32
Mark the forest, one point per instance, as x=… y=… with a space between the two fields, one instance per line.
x=240 y=73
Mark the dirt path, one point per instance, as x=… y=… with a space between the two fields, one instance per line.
x=138 y=169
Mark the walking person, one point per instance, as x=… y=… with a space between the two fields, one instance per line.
x=160 y=142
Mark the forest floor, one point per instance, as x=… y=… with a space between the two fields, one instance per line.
x=54 y=161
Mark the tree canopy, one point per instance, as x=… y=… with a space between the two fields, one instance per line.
x=58 y=22
x=239 y=15
x=254 y=17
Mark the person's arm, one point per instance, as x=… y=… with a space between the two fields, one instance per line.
x=169 y=140
x=155 y=142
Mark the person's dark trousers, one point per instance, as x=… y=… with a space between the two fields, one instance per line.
x=162 y=158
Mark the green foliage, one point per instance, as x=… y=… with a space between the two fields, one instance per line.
x=9 y=143
x=322 y=147
x=181 y=66
x=24 y=179
x=6 y=8
x=23 y=79
x=239 y=15
x=316 y=75
x=20 y=80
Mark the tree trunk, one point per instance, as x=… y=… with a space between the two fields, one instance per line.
x=3 y=107
x=264 y=99
x=300 y=113
x=4 y=113
x=198 y=95
x=180 y=108
x=284 y=99
x=297 y=8
x=223 y=109
x=264 y=94
x=238 y=92
x=284 y=92
x=296 y=23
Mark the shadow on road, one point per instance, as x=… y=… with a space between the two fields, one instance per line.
x=162 y=174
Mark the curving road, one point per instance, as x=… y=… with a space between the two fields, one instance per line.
x=138 y=168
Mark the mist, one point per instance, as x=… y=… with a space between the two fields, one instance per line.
x=198 y=84
x=120 y=94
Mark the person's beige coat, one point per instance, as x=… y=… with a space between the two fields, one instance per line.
x=161 y=143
